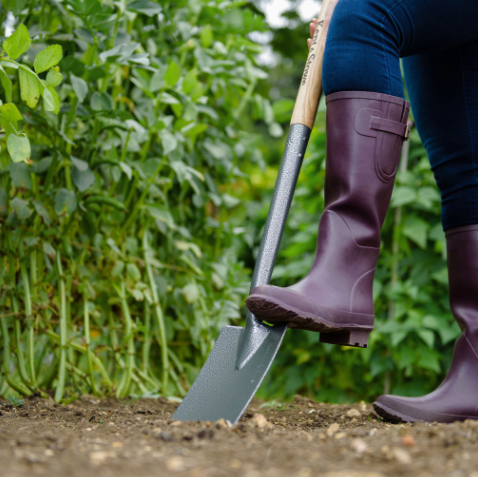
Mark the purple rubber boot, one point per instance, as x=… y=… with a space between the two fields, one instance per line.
x=365 y=133
x=456 y=397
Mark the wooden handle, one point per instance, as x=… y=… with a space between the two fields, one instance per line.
x=310 y=89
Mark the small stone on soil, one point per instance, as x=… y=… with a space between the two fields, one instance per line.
x=332 y=429
x=408 y=440
x=359 y=445
x=261 y=421
x=175 y=464
x=402 y=456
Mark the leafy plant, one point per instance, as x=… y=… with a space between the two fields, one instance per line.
x=117 y=262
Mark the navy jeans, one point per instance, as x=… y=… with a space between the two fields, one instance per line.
x=438 y=41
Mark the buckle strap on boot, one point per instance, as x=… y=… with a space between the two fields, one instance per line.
x=387 y=125
x=368 y=123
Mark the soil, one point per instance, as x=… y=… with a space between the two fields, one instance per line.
x=93 y=437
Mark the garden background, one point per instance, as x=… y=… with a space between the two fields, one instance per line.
x=139 y=148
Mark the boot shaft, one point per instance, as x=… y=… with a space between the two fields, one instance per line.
x=462 y=259
x=365 y=133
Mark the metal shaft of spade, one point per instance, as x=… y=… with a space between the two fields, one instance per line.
x=296 y=144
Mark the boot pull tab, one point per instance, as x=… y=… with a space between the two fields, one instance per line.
x=369 y=123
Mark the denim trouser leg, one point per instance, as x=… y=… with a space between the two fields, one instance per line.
x=439 y=41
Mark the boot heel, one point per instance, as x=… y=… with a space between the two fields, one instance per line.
x=357 y=339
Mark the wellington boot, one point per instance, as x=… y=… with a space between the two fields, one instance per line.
x=365 y=133
x=456 y=397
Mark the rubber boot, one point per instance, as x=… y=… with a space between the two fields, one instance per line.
x=365 y=133
x=456 y=397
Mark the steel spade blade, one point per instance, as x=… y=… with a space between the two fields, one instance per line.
x=222 y=390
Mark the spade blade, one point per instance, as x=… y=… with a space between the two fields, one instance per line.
x=222 y=390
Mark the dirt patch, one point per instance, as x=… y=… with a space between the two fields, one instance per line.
x=93 y=437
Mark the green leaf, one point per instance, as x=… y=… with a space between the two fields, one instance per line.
x=191 y=292
x=80 y=87
x=428 y=359
x=275 y=130
x=51 y=99
x=173 y=73
x=20 y=208
x=145 y=7
x=133 y=272
x=48 y=99
x=17 y=43
x=18 y=147
x=282 y=110
x=3 y=203
x=48 y=58
x=42 y=212
x=416 y=230
x=10 y=112
x=83 y=179
x=30 y=90
x=6 y=83
x=20 y=175
x=101 y=102
x=54 y=77
x=206 y=36
x=15 y=6
x=189 y=81
x=427 y=336
x=79 y=164
x=70 y=64
x=161 y=214
x=9 y=117
x=65 y=202
x=168 y=140
x=403 y=195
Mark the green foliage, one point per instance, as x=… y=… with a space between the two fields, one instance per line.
x=118 y=263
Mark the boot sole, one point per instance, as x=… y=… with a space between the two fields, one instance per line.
x=279 y=313
x=392 y=415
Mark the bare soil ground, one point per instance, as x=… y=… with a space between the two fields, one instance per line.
x=93 y=437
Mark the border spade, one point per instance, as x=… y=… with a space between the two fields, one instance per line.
x=241 y=357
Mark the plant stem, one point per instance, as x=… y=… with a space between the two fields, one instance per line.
x=17 y=331
x=62 y=369
x=395 y=251
x=86 y=326
x=29 y=316
x=6 y=360
x=125 y=386
x=76 y=346
x=158 y=313
x=139 y=203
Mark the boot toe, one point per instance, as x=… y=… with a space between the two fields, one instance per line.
x=266 y=301
x=397 y=409
x=428 y=408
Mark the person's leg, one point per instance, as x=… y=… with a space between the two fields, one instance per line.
x=366 y=114
x=367 y=38
x=443 y=90
x=445 y=109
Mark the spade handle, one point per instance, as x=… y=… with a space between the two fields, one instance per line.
x=310 y=88
x=303 y=119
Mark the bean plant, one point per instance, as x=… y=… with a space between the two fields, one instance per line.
x=124 y=129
